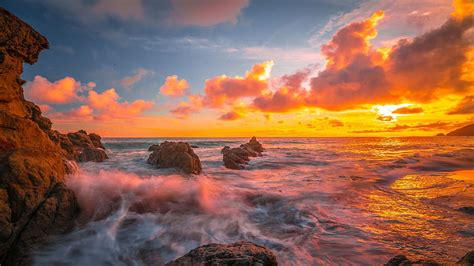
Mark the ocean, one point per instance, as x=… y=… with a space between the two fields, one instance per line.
x=312 y=201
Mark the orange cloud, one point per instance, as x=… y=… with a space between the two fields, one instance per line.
x=206 y=12
x=129 y=81
x=408 y=110
x=465 y=106
x=229 y=116
x=224 y=90
x=174 y=87
x=336 y=123
x=63 y=91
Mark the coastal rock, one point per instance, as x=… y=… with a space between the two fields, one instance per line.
x=237 y=158
x=464 y=131
x=85 y=147
x=154 y=147
x=175 y=155
x=402 y=260
x=241 y=253
x=467 y=209
x=34 y=202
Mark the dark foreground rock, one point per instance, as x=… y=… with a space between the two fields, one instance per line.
x=242 y=253
x=34 y=202
x=175 y=155
x=467 y=209
x=402 y=260
x=237 y=158
x=464 y=131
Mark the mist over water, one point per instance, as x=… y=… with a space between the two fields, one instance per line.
x=311 y=200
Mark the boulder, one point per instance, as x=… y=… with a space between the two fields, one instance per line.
x=402 y=260
x=84 y=147
x=175 y=155
x=242 y=253
x=34 y=202
x=237 y=158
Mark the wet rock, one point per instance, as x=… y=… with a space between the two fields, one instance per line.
x=237 y=158
x=242 y=253
x=175 y=155
x=154 y=147
x=468 y=210
x=402 y=260
x=84 y=147
x=34 y=202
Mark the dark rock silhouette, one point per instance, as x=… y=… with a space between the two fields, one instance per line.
x=402 y=260
x=242 y=253
x=237 y=158
x=464 y=131
x=34 y=202
x=467 y=209
x=175 y=155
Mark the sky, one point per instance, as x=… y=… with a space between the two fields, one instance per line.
x=237 y=68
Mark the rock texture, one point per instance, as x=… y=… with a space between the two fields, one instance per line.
x=401 y=260
x=34 y=202
x=237 y=158
x=464 y=131
x=242 y=253
x=175 y=155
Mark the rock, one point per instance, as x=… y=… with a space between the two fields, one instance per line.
x=440 y=135
x=237 y=158
x=154 y=147
x=175 y=155
x=34 y=202
x=194 y=146
x=468 y=259
x=464 y=131
x=83 y=147
x=467 y=209
x=401 y=260
x=242 y=253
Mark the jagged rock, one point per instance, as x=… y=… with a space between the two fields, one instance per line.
x=34 y=201
x=402 y=260
x=175 y=155
x=85 y=147
x=237 y=158
x=154 y=147
x=242 y=253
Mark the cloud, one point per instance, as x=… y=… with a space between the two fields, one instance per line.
x=123 y=9
x=128 y=81
x=408 y=110
x=230 y=116
x=465 y=106
x=335 y=123
x=174 y=87
x=63 y=91
x=223 y=90
x=206 y=13
x=433 y=126
x=385 y=118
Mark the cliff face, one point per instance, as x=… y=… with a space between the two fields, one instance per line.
x=34 y=202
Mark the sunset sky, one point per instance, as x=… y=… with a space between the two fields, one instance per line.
x=210 y=68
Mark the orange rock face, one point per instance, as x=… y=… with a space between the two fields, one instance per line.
x=34 y=202
x=175 y=155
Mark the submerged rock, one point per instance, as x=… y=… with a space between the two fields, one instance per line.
x=242 y=253
x=175 y=155
x=237 y=158
x=34 y=202
x=402 y=260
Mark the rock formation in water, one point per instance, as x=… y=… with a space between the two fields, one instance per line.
x=175 y=155
x=401 y=260
x=80 y=146
x=464 y=131
x=242 y=253
x=34 y=202
x=237 y=158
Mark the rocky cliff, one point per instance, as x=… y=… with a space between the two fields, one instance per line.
x=34 y=202
x=464 y=131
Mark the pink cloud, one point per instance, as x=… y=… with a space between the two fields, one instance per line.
x=174 y=87
x=128 y=81
x=206 y=12
x=62 y=91
x=229 y=116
